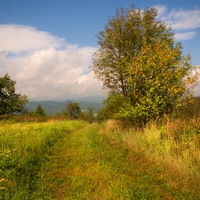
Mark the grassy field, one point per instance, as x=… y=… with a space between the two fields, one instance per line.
x=25 y=148
x=77 y=160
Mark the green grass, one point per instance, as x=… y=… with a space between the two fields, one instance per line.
x=24 y=150
x=77 y=160
x=96 y=163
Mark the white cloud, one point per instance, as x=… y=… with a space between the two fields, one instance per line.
x=182 y=21
x=43 y=70
x=2 y=57
x=185 y=35
x=197 y=88
x=18 y=38
x=161 y=10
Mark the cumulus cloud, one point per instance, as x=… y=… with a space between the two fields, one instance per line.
x=182 y=21
x=18 y=38
x=2 y=57
x=44 y=66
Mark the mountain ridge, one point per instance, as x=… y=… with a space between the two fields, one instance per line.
x=55 y=107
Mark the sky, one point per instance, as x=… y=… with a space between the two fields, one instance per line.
x=46 y=46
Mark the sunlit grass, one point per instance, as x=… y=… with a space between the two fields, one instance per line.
x=174 y=146
x=77 y=160
x=24 y=149
x=105 y=162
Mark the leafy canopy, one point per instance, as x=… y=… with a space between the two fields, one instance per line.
x=10 y=102
x=88 y=115
x=72 y=110
x=139 y=60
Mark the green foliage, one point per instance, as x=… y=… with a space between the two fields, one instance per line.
x=88 y=115
x=10 y=102
x=40 y=111
x=111 y=107
x=139 y=59
x=72 y=110
x=39 y=114
x=190 y=110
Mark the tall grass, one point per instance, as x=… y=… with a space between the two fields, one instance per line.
x=77 y=160
x=106 y=162
x=24 y=150
x=174 y=145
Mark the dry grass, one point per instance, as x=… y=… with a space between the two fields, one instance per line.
x=173 y=145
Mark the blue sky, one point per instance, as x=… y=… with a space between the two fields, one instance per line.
x=46 y=45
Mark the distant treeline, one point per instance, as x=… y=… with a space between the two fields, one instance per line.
x=53 y=108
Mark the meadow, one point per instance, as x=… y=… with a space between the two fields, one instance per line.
x=25 y=149
x=77 y=160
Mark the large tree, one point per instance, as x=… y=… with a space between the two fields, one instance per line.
x=10 y=102
x=139 y=60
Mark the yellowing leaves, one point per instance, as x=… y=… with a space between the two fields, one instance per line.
x=146 y=62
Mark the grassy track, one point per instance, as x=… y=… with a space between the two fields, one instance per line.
x=25 y=149
x=76 y=160
x=89 y=164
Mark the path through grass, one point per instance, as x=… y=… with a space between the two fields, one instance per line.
x=88 y=164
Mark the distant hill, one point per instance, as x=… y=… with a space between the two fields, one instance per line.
x=52 y=107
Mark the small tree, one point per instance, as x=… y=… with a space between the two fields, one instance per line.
x=139 y=60
x=40 y=111
x=72 y=110
x=111 y=107
x=10 y=102
x=39 y=114
x=88 y=115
